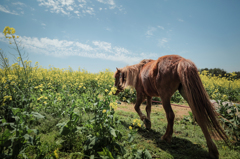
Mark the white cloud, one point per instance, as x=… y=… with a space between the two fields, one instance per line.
x=89 y=10
x=43 y=24
x=162 y=42
x=108 y=29
x=70 y=8
x=109 y=2
x=6 y=10
x=57 y=6
x=20 y=4
x=103 y=45
x=67 y=2
x=180 y=20
x=161 y=27
x=77 y=7
x=84 y=46
x=96 y=49
x=150 y=31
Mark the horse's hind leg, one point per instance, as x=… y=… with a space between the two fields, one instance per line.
x=147 y=121
x=170 y=118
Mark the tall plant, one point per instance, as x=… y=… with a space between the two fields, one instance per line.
x=15 y=110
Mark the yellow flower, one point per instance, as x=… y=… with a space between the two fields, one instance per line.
x=8 y=30
x=224 y=147
x=137 y=122
x=110 y=93
x=45 y=102
x=7 y=97
x=104 y=111
x=106 y=90
x=130 y=127
x=113 y=105
x=56 y=154
x=114 y=89
x=84 y=87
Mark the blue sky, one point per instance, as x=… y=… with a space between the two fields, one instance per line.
x=99 y=34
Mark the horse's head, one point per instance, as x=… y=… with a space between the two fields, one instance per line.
x=120 y=79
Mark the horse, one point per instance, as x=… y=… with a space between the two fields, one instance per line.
x=161 y=78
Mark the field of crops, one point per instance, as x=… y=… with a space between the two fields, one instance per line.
x=62 y=113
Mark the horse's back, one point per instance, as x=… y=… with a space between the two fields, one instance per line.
x=160 y=77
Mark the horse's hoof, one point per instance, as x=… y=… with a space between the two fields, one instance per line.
x=166 y=139
x=213 y=155
x=147 y=123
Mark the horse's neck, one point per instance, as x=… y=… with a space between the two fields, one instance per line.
x=132 y=77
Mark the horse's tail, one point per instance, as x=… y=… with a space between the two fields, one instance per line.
x=198 y=98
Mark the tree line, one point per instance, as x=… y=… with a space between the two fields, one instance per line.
x=218 y=71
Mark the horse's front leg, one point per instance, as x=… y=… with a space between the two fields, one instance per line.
x=139 y=101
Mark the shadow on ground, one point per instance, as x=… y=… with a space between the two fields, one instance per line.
x=179 y=148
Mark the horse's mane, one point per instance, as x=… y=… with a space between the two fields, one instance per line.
x=133 y=71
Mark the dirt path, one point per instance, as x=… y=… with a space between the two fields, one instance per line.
x=178 y=111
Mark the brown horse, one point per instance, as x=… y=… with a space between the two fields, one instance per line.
x=161 y=78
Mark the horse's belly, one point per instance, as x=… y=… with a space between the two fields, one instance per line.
x=149 y=87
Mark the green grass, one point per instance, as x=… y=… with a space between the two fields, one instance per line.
x=188 y=140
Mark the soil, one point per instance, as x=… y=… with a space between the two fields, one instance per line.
x=179 y=112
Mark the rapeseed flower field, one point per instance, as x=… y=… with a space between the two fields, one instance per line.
x=77 y=108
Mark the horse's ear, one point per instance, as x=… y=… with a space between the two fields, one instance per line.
x=117 y=69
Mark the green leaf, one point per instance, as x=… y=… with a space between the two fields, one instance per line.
x=90 y=143
x=61 y=124
x=130 y=138
x=113 y=132
x=37 y=115
x=105 y=154
x=120 y=148
x=28 y=138
x=146 y=154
